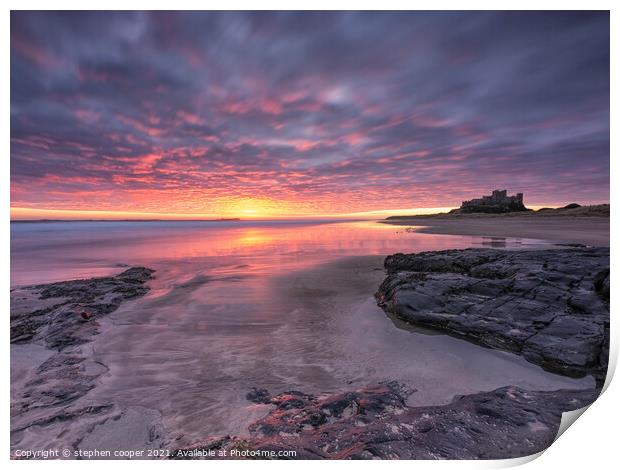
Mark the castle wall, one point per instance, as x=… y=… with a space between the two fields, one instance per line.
x=498 y=201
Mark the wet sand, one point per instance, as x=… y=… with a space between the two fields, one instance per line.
x=320 y=332
x=377 y=347
x=592 y=231
x=180 y=362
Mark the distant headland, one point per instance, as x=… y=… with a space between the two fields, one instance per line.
x=499 y=203
x=500 y=215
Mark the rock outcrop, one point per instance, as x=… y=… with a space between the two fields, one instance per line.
x=67 y=311
x=376 y=423
x=62 y=318
x=551 y=306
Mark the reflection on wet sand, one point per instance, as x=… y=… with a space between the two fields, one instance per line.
x=494 y=242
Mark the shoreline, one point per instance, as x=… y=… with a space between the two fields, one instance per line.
x=593 y=231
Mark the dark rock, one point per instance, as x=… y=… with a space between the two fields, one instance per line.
x=66 y=415
x=62 y=324
x=572 y=205
x=258 y=395
x=375 y=423
x=601 y=284
x=53 y=394
x=551 y=306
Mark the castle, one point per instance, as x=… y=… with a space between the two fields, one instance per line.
x=497 y=202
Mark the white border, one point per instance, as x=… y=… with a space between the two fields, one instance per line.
x=591 y=443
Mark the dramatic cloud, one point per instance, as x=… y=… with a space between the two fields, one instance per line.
x=306 y=113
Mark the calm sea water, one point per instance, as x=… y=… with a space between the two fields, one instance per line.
x=281 y=305
x=52 y=251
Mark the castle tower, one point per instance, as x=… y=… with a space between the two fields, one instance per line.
x=496 y=203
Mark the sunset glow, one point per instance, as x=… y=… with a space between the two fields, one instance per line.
x=23 y=213
x=267 y=115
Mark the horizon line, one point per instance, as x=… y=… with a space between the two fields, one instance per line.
x=25 y=214
x=32 y=214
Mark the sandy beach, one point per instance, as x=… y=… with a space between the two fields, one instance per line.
x=592 y=231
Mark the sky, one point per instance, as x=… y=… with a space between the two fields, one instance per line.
x=276 y=114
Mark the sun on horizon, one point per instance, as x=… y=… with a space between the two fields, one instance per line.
x=151 y=117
